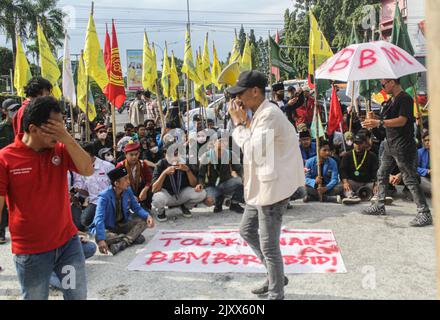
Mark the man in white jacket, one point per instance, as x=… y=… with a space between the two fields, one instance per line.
x=273 y=170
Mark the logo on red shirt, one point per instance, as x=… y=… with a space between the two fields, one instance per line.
x=56 y=160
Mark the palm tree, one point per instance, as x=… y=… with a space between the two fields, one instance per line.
x=13 y=19
x=19 y=17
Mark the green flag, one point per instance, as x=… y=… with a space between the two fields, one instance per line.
x=280 y=59
x=354 y=38
x=321 y=130
x=400 y=38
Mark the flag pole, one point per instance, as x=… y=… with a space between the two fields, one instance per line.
x=419 y=114
x=317 y=129
x=270 y=62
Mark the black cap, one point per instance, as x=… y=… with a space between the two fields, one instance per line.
x=304 y=134
x=9 y=104
x=248 y=79
x=360 y=138
x=278 y=86
x=117 y=173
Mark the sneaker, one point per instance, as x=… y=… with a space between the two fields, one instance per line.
x=374 y=210
x=422 y=220
x=265 y=287
x=388 y=200
x=162 y=217
x=236 y=208
x=339 y=199
x=186 y=212
x=218 y=209
x=351 y=200
x=118 y=247
x=139 y=240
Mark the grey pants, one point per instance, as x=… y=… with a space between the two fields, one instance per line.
x=406 y=160
x=425 y=184
x=188 y=197
x=266 y=243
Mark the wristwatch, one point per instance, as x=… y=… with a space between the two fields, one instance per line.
x=382 y=123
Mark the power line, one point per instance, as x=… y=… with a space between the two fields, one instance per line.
x=98 y=8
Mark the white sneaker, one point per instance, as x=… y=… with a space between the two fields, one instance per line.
x=351 y=200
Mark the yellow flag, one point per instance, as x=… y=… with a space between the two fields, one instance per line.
x=166 y=72
x=216 y=68
x=188 y=67
x=199 y=68
x=199 y=92
x=318 y=46
x=154 y=71
x=93 y=58
x=246 y=61
x=147 y=66
x=83 y=92
x=174 y=79
x=206 y=64
x=235 y=53
x=22 y=71
x=48 y=63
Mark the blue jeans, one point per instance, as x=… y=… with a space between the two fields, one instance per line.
x=89 y=249
x=68 y=263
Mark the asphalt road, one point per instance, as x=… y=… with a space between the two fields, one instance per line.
x=384 y=257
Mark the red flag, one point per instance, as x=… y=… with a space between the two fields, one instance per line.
x=116 y=89
x=276 y=70
x=335 y=116
x=107 y=58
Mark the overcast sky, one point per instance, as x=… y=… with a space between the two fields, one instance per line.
x=164 y=20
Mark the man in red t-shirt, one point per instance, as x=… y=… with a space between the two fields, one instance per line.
x=33 y=180
x=36 y=87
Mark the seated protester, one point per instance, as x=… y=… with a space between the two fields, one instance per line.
x=329 y=180
x=211 y=125
x=220 y=175
x=175 y=184
x=171 y=134
x=358 y=171
x=141 y=131
x=151 y=132
x=423 y=166
x=106 y=154
x=114 y=228
x=102 y=140
x=296 y=100
x=307 y=147
x=278 y=95
x=150 y=151
x=139 y=173
x=93 y=185
x=348 y=137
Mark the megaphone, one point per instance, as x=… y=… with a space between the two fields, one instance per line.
x=230 y=74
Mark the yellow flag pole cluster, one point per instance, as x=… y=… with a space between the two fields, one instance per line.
x=48 y=63
x=22 y=71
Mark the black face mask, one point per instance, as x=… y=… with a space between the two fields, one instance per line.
x=280 y=96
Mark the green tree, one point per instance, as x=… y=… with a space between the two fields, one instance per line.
x=19 y=17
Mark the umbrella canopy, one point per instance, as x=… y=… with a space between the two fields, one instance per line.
x=366 y=61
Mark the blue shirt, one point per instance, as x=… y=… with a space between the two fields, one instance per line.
x=309 y=153
x=330 y=173
x=105 y=217
x=423 y=162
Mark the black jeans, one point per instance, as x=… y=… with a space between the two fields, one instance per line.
x=406 y=160
x=88 y=215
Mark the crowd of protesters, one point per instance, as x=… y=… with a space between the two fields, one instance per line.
x=105 y=193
